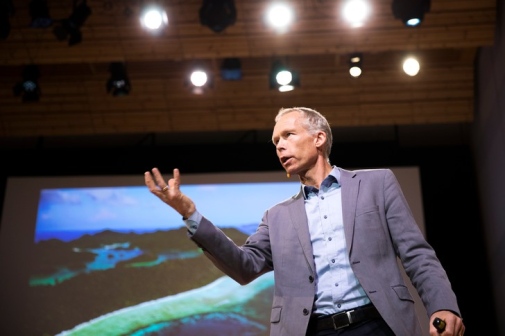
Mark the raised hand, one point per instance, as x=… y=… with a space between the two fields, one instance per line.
x=169 y=192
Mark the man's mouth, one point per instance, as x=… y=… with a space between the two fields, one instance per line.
x=285 y=159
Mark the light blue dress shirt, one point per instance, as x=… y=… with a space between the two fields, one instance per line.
x=337 y=289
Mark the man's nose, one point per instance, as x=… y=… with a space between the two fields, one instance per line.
x=280 y=144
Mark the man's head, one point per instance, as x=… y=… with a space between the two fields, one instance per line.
x=302 y=137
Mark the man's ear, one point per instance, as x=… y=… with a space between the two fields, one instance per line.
x=320 y=139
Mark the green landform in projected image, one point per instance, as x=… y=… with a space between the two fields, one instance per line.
x=138 y=292
x=224 y=296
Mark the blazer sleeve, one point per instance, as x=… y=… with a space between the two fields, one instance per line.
x=416 y=254
x=242 y=263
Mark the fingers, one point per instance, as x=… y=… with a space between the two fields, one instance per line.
x=155 y=182
x=148 y=178
x=175 y=182
x=158 y=178
x=446 y=323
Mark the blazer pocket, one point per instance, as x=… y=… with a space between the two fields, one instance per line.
x=403 y=293
x=275 y=316
x=362 y=211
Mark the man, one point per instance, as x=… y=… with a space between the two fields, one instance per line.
x=334 y=249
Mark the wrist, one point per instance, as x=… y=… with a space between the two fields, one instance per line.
x=186 y=214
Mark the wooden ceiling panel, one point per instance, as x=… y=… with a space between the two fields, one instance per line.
x=74 y=100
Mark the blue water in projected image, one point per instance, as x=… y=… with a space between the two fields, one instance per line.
x=107 y=257
x=90 y=241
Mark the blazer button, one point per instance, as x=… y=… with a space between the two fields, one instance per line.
x=305 y=311
x=311 y=279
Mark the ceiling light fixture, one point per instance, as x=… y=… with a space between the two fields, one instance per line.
x=279 y=15
x=283 y=78
x=355 y=62
x=218 y=14
x=6 y=11
x=411 y=66
x=28 y=88
x=199 y=79
x=411 y=12
x=71 y=27
x=39 y=12
x=118 y=84
x=154 y=18
x=356 y=12
x=231 y=69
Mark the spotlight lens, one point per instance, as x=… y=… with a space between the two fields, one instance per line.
x=29 y=85
x=153 y=19
x=286 y=88
x=279 y=16
x=284 y=77
x=413 y=22
x=356 y=11
x=411 y=66
x=355 y=71
x=198 y=78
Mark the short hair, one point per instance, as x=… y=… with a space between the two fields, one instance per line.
x=313 y=122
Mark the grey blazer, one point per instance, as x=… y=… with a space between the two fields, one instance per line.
x=379 y=227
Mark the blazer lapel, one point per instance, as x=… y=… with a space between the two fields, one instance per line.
x=350 y=187
x=301 y=225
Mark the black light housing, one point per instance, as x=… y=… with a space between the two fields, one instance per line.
x=6 y=11
x=218 y=14
x=231 y=69
x=410 y=12
x=70 y=27
x=28 y=88
x=118 y=84
x=39 y=12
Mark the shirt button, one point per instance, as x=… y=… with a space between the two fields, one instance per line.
x=305 y=311
x=336 y=284
x=325 y=216
x=329 y=238
x=333 y=261
x=339 y=305
x=311 y=279
x=322 y=197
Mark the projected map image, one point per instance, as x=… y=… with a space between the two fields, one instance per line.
x=118 y=261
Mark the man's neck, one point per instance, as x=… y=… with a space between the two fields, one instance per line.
x=316 y=175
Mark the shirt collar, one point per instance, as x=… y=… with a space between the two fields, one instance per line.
x=332 y=180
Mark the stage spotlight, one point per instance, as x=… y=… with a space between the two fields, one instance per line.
x=118 y=83
x=39 y=13
x=356 y=12
x=154 y=18
x=199 y=80
x=279 y=16
x=28 y=88
x=411 y=12
x=411 y=66
x=282 y=78
x=355 y=62
x=6 y=11
x=218 y=14
x=231 y=69
x=71 y=27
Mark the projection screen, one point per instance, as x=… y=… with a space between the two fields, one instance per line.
x=101 y=255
